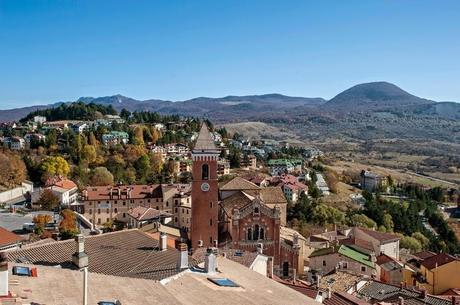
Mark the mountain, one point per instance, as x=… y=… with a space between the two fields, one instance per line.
x=375 y=95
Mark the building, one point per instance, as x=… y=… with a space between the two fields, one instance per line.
x=223 y=167
x=292 y=188
x=372 y=181
x=344 y=258
x=115 y=138
x=141 y=216
x=14 y=143
x=382 y=243
x=79 y=127
x=9 y=240
x=39 y=119
x=248 y=161
x=278 y=167
x=439 y=273
x=205 y=199
x=31 y=138
x=17 y=195
x=322 y=185
x=393 y=272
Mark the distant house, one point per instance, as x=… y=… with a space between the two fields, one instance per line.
x=292 y=188
x=383 y=243
x=372 y=181
x=79 y=127
x=39 y=119
x=114 y=138
x=140 y=216
x=284 y=166
x=322 y=185
x=65 y=190
x=14 y=143
x=223 y=167
x=33 y=137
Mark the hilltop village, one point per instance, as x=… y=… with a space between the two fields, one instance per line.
x=169 y=202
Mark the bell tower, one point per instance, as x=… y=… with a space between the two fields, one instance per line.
x=204 y=191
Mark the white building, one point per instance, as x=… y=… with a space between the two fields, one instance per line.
x=39 y=119
x=115 y=137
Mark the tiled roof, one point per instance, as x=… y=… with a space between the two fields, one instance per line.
x=358 y=243
x=323 y=251
x=139 y=191
x=380 y=236
x=381 y=292
x=339 y=281
x=141 y=213
x=239 y=184
x=272 y=195
x=235 y=201
x=438 y=260
x=128 y=253
x=342 y=298
x=424 y=254
x=383 y=259
x=204 y=141
x=8 y=238
x=66 y=184
x=299 y=287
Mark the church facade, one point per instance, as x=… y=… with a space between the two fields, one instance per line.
x=241 y=215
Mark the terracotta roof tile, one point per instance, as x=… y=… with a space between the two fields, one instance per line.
x=8 y=238
x=239 y=184
x=438 y=260
x=380 y=236
x=143 y=213
x=424 y=254
x=137 y=192
x=129 y=253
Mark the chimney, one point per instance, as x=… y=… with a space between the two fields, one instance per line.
x=329 y=292
x=210 y=262
x=422 y=292
x=80 y=258
x=454 y=300
x=183 y=257
x=401 y=301
x=270 y=267
x=3 y=274
x=163 y=242
x=111 y=193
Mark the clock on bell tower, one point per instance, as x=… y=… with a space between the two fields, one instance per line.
x=205 y=155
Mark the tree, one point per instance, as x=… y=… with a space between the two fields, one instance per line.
x=314 y=192
x=89 y=153
x=361 y=220
x=40 y=222
x=68 y=224
x=12 y=170
x=323 y=214
x=54 y=166
x=388 y=222
x=48 y=200
x=142 y=166
x=410 y=243
x=157 y=163
x=139 y=135
x=101 y=176
x=424 y=241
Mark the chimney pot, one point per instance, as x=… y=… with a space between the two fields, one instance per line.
x=210 y=263
x=80 y=258
x=401 y=301
x=163 y=242
x=183 y=257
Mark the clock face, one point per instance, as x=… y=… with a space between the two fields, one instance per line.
x=205 y=187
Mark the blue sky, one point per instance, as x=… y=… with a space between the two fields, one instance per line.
x=60 y=50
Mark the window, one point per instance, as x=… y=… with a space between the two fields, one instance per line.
x=108 y=220
x=256 y=210
x=115 y=210
x=176 y=202
x=108 y=211
x=124 y=202
x=175 y=219
x=363 y=269
x=250 y=234
x=175 y=210
x=210 y=239
x=210 y=222
x=99 y=221
x=324 y=263
x=124 y=215
x=256 y=232
x=90 y=211
x=210 y=204
x=167 y=204
x=99 y=211
x=344 y=265
x=261 y=234
x=204 y=172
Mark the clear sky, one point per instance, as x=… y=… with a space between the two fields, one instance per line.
x=60 y=50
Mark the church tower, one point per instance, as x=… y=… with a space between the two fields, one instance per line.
x=204 y=191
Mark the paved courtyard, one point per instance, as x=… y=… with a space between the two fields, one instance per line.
x=13 y=221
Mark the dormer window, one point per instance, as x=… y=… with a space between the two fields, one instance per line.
x=205 y=172
x=256 y=210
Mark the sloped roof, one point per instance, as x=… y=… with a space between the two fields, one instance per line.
x=205 y=141
x=239 y=184
x=323 y=251
x=356 y=256
x=382 y=292
x=143 y=213
x=273 y=195
x=424 y=254
x=438 y=260
x=342 y=298
x=8 y=238
x=235 y=201
x=128 y=253
x=380 y=236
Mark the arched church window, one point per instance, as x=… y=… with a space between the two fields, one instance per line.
x=256 y=210
x=204 y=172
x=256 y=232
x=262 y=233
x=249 y=234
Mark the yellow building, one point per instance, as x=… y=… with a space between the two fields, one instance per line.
x=439 y=273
